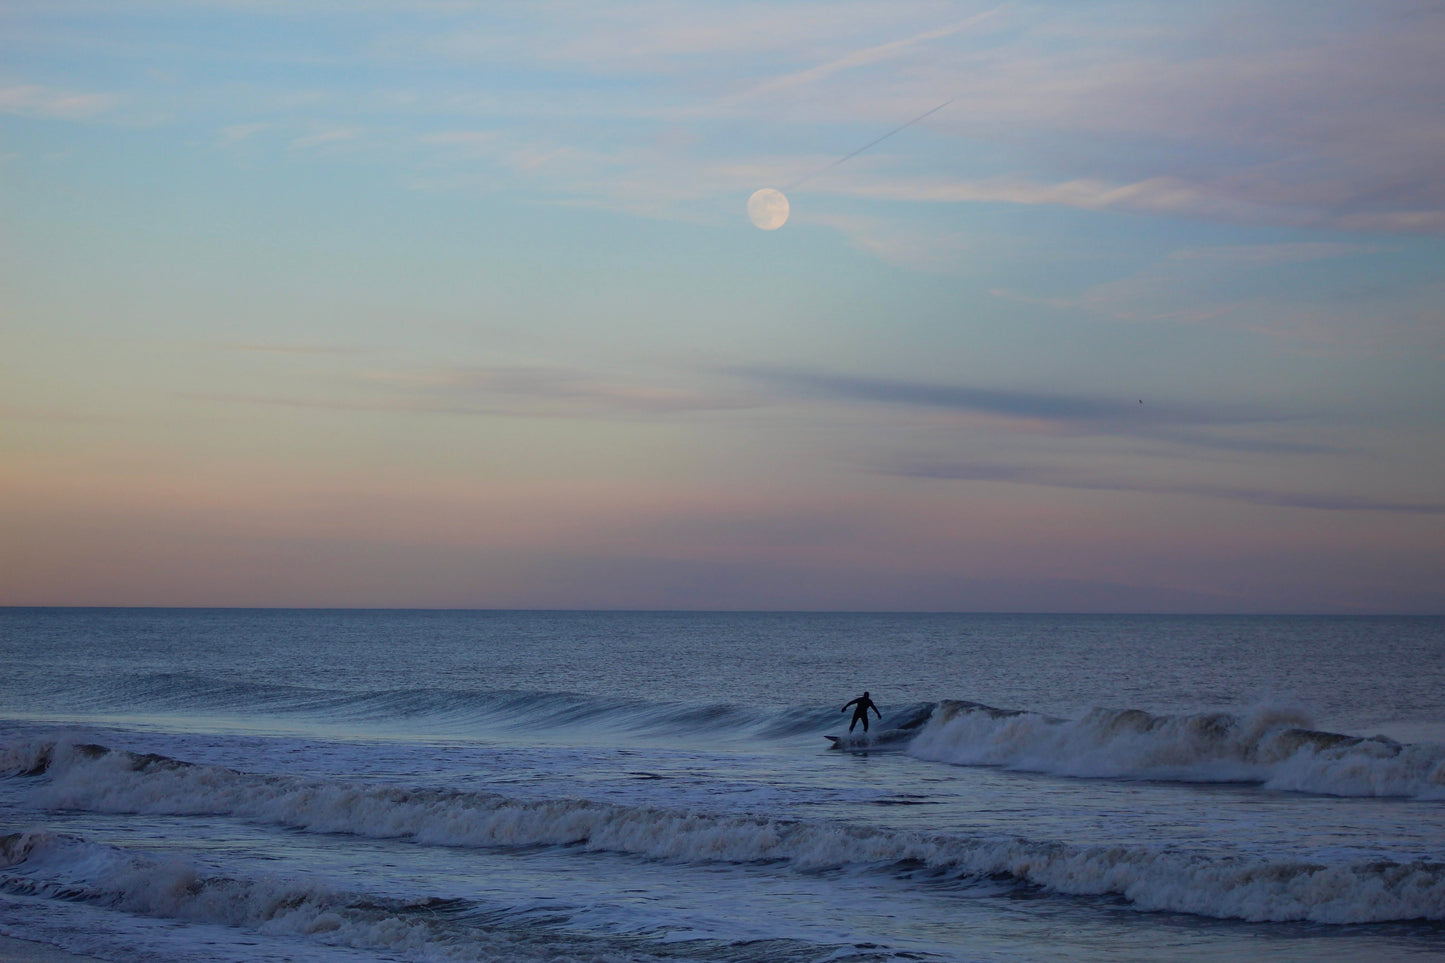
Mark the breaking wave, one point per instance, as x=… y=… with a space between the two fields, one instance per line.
x=1277 y=747
x=1149 y=877
x=65 y=867
x=1273 y=746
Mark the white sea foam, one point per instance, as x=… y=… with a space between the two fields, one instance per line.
x=1150 y=877
x=1272 y=745
x=65 y=867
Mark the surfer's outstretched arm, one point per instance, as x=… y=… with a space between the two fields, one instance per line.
x=875 y=709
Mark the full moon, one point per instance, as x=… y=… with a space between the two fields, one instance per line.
x=768 y=209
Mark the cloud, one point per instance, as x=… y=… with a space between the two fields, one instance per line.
x=866 y=56
x=1194 y=426
x=52 y=416
x=513 y=391
x=1167 y=195
x=1158 y=195
x=1281 y=116
x=239 y=132
x=326 y=137
x=665 y=38
x=559 y=391
x=287 y=348
x=1324 y=116
x=1259 y=255
x=535 y=391
x=1391 y=222
x=1132 y=299
x=1060 y=408
x=897 y=244
x=36 y=101
x=465 y=139
x=1056 y=478
x=1249 y=288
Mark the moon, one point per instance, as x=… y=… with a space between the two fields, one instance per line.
x=768 y=209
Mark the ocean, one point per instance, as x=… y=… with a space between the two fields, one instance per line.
x=246 y=785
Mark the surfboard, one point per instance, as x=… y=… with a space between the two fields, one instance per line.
x=902 y=726
x=859 y=743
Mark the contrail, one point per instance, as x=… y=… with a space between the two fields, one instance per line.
x=871 y=143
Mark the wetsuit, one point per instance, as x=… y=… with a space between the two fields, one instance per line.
x=860 y=714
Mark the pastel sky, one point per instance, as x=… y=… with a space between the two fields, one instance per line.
x=457 y=304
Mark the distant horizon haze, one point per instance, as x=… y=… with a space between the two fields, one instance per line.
x=1075 y=308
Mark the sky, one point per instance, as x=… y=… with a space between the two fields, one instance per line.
x=438 y=303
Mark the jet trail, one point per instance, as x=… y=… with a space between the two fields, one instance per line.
x=871 y=143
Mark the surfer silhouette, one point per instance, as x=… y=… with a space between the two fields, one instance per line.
x=860 y=714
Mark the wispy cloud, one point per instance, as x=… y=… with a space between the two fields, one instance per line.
x=539 y=390
x=469 y=140
x=33 y=100
x=1135 y=299
x=1262 y=255
x=1298 y=118
x=1325 y=120
x=326 y=138
x=239 y=132
x=896 y=243
x=675 y=39
x=277 y=347
x=1165 y=195
x=866 y=56
x=52 y=415
x=514 y=391
x=1157 y=195
x=1252 y=288
x=1222 y=427
x=1062 y=408
x=1051 y=477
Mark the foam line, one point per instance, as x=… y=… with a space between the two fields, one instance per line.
x=1148 y=876
x=1274 y=746
x=64 y=867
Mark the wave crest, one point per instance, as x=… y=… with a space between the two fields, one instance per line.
x=1272 y=745
x=1149 y=877
x=59 y=866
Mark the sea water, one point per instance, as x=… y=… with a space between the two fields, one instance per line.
x=205 y=785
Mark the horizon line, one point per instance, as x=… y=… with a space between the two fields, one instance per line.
x=586 y=610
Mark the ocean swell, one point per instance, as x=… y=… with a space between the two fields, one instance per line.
x=1273 y=746
x=1147 y=876
x=56 y=866
x=445 y=708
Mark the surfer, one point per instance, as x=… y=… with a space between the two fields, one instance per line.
x=860 y=714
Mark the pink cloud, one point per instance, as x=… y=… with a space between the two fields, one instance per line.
x=36 y=101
